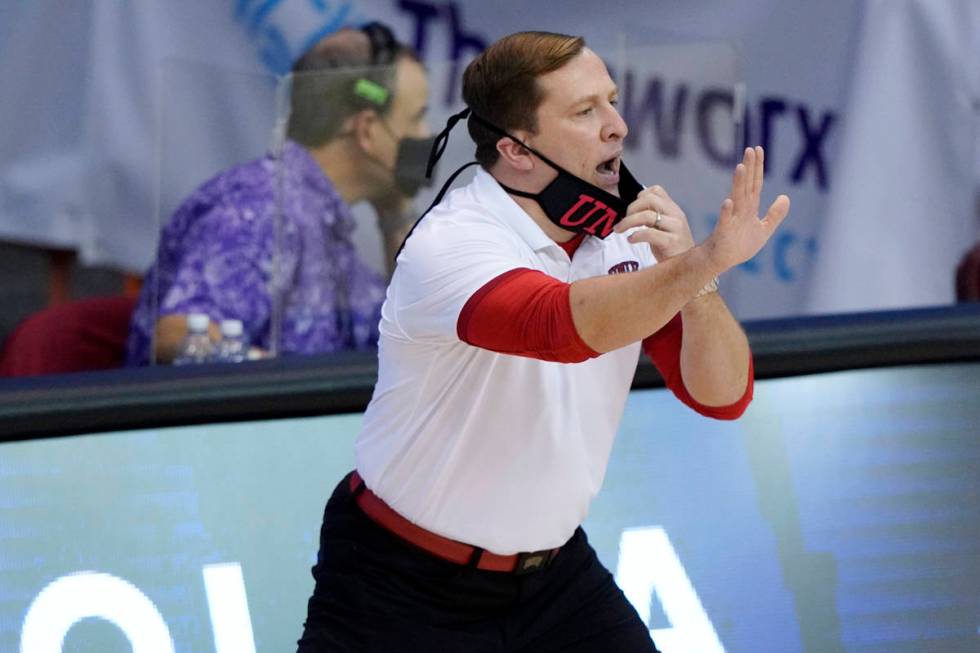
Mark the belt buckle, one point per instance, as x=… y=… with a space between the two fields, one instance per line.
x=532 y=561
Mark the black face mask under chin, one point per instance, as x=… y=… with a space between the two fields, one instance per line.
x=569 y=201
x=573 y=203
x=576 y=205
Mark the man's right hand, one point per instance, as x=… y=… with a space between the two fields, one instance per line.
x=740 y=233
x=612 y=311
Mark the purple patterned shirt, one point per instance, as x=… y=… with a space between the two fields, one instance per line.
x=218 y=253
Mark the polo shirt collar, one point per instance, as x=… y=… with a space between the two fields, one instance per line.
x=504 y=208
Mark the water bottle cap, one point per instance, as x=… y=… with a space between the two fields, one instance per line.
x=198 y=322
x=231 y=328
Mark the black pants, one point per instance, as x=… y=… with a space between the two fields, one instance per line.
x=374 y=592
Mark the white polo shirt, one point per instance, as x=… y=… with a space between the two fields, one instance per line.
x=500 y=451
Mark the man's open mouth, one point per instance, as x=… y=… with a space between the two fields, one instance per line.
x=608 y=170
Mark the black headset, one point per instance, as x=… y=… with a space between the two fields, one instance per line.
x=384 y=47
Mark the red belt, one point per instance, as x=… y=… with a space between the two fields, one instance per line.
x=443 y=547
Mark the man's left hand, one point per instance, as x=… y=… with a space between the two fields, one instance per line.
x=668 y=235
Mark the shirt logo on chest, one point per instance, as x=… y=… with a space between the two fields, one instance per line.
x=625 y=266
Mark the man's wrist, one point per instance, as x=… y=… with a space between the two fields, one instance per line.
x=705 y=259
x=702 y=265
x=710 y=287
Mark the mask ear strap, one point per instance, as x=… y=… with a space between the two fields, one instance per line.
x=442 y=140
x=497 y=130
x=519 y=193
x=438 y=147
x=449 y=182
x=439 y=196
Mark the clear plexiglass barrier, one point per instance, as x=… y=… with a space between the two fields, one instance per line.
x=283 y=199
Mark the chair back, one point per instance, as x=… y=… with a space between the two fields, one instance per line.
x=77 y=336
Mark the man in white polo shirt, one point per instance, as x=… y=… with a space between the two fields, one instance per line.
x=509 y=339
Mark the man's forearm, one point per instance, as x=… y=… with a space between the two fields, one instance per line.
x=714 y=352
x=613 y=311
x=395 y=220
x=393 y=237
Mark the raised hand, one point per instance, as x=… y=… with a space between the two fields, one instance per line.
x=740 y=233
x=667 y=232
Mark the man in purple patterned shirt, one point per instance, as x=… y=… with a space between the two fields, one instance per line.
x=268 y=242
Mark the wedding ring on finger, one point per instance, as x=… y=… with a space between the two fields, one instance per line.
x=656 y=223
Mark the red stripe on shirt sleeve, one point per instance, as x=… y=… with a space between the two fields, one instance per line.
x=664 y=349
x=523 y=312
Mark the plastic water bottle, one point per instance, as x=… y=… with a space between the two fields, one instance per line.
x=232 y=348
x=196 y=347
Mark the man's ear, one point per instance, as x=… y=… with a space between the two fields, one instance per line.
x=364 y=125
x=514 y=154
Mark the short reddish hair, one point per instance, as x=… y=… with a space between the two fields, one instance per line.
x=501 y=87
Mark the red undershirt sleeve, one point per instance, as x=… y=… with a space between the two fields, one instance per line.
x=664 y=349
x=523 y=312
